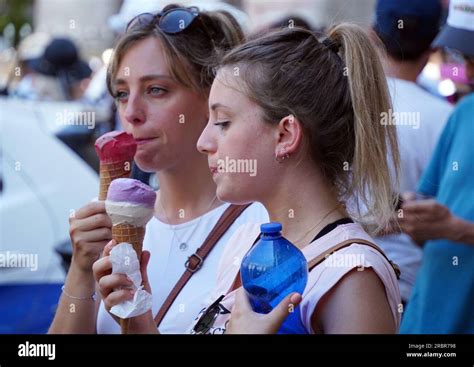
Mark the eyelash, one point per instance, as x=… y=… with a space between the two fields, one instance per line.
x=161 y=89
x=120 y=94
x=223 y=124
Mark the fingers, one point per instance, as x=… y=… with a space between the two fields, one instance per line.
x=425 y=210
x=117 y=297
x=90 y=229
x=116 y=288
x=295 y=300
x=110 y=245
x=101 y=267
x=89 y=223
x=94 y=207
x=283 y=309
x=242 y=303
x=95 y=235
x=113 y=282
x=420 y=205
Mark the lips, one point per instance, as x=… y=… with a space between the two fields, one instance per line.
x=142 y=141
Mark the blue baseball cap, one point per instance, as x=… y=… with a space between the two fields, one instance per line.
x=389 y=13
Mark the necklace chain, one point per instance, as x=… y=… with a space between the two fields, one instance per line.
x=175 y=234
x=319 y=222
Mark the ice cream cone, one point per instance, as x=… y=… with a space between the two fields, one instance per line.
x=134 y=236
x=130 y=205
x=130 y=234
x=116 y=150
x=110 y=171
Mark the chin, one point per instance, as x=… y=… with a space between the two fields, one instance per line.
x=146 y=165
x=232 y=195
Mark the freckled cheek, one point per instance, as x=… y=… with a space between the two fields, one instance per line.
x=162 y=119
x=242 y=142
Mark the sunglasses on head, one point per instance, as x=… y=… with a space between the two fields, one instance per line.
x=170 y=22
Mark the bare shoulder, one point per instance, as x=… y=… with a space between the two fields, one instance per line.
x=357 y=304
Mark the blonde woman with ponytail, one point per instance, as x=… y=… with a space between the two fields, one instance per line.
x=307 y=110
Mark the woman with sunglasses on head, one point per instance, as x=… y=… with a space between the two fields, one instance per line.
x=160 y=76
x=309 y=113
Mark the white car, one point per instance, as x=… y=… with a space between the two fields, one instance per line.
x=42 y=183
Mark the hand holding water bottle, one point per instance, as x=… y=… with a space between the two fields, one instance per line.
x=244 y=320
x=274 y=274
x=272 y=269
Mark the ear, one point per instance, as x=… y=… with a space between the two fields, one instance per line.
x=290 y=134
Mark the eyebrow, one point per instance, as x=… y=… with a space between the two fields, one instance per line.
x=215 y=106
x=146 y=78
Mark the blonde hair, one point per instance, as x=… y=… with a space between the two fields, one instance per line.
x=191 y=54
x=338 y=91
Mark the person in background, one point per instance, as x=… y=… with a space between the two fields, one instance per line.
x=442 y=300
x=57 y=75
x=406 y=29
x=20 y=79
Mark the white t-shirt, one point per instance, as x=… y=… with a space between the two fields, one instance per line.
x=420 y=127
x=167 y=265
x=416 y=144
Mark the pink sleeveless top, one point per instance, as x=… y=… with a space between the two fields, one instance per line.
x=320 y=280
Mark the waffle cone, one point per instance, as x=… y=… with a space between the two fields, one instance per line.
x=130 y=234
x=109 y=172
x=134 y=236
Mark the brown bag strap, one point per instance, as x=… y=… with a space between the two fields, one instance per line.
x=195 y=261
x=319 y=259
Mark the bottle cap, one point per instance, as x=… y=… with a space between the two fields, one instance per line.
x=271 y=228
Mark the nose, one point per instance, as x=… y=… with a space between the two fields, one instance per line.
x=206 y=142
x=135 y=110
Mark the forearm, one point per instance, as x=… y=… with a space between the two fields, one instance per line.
x=76 y=316
x=463 y=231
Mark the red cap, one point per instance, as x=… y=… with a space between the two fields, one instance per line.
x=115 y=146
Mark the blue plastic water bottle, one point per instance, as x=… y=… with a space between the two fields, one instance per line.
x=272 y=269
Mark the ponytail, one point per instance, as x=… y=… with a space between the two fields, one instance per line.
x=337 y=90
x=375 y=143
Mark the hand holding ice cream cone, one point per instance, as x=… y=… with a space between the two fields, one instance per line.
x=130 y=205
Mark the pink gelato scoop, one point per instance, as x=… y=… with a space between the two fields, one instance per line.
x=116 y=146
x=131 y=191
